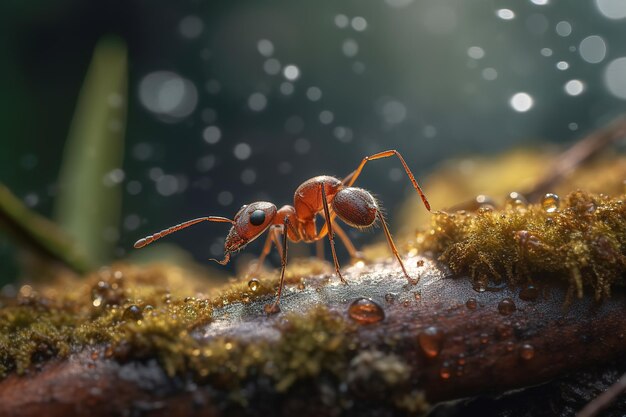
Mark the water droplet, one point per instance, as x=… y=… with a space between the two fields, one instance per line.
x=365 y=311
x=592 y=49
x=480 y=284
x=529 y=293
x=390 y=298
x=550 y=203
x=265 y=47
x=509 y=346
x=484 y=201
x=505 y=14
x=471 y=303
x=445 y=372
x=614 y=78
x=417 y=295
x=168 y=95
x=484 y=338
x=563 y=28
x=521 y=102
x=506 y=306
x=612 y=9
x=132 y=312
x=574 y=87
x=516 y=199
x=254 y=284
x=257 y=101
x=431 y=341
x=527 y=351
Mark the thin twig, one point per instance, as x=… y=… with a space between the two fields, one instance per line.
x=579 y=153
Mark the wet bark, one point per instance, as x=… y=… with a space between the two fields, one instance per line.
x=453 y=341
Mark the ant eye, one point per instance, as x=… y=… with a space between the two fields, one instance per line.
x=257 y=217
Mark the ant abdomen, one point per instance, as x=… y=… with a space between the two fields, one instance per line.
x=355 y=206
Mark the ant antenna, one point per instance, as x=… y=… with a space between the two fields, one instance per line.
x=149 y=239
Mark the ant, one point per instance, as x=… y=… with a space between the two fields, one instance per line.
x=321 y=195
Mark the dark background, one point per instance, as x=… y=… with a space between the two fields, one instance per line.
x=433 y=79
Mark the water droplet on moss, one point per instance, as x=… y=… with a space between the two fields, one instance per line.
x=484 y=338
x=550 y=203
x=254 y=284
x=431 y=341
x=132 y=312
x=506 y=306
x=527 y=351
x=515 y=199
x=471 y=303
x=482 y=200
x=529 y=293
x=365 y=311
x=417 y=295
x=509 y=346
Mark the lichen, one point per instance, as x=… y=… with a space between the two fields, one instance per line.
x=583 y=243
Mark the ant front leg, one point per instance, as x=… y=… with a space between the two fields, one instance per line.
x=275 y=307
x=267 y=247
x=331 y=234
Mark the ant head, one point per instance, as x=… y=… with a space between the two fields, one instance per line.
x=249 y=223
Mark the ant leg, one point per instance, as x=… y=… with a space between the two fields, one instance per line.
x=267 y=247
x=319 y=249
x=354 y=253
x=351 y=178
x=331 y=234
x=275 y=308
x=276 y=238
x=393 y=248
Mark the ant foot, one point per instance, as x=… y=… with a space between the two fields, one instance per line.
x=343 y=281
x=413 y=281
x=271 y=309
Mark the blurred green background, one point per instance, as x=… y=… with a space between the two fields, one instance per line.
x=194 y=108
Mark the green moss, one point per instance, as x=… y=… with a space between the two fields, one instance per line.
x=583 y=243
x=136 y=313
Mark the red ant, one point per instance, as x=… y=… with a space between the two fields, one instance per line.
x=324 y=195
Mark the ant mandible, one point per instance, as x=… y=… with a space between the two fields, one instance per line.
x=323 y=195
